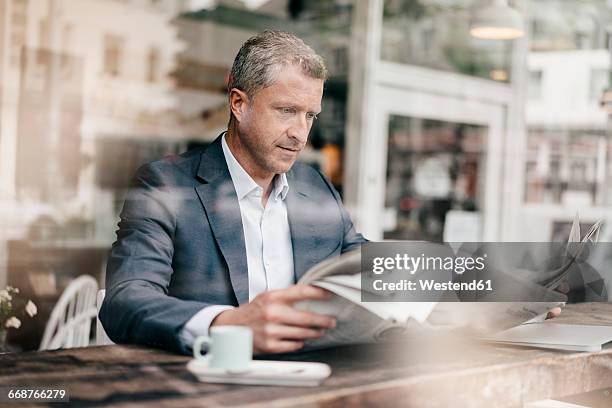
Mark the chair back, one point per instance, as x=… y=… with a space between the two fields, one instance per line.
x=70 y=322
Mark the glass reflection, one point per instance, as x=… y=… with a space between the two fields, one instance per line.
x=433 y=167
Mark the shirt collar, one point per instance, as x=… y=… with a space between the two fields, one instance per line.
x=281 y=186
x=244 y=183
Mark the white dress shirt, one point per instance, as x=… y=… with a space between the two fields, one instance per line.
x=267 y=240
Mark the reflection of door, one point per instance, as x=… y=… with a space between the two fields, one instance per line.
x=433 y=167
x=434 y=143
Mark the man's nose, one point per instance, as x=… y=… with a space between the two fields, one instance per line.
x=299 y=129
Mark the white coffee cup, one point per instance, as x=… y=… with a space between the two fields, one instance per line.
x=228 y=347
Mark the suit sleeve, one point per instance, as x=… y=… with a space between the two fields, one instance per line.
x=351 y=238
x=137 y=307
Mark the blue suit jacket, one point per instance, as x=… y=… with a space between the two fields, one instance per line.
x=180 y=244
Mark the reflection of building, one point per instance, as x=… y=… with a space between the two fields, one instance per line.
x=49 y=116
x=84 y=99
x=567 y=166
x=565 y=88
x=568 y=152
x=80 y=84
x=78 y=72
x=557 y=25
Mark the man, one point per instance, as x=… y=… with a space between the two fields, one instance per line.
x=219 y=236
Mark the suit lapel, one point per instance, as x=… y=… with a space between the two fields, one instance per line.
x=301 y=230
x=220 y=202
x=314 y=222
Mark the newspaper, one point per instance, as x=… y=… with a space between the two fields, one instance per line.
x=365 y=322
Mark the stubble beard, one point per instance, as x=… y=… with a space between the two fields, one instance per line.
x=264 y=158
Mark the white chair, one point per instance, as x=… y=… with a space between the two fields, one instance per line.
x=101 y=337
x=70 y=322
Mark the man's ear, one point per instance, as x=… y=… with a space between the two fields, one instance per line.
x=238 y=102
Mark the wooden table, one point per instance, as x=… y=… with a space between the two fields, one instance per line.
x=420 y=374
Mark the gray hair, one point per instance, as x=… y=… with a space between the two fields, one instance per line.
x=261 y=56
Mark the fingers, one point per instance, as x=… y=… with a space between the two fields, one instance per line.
x=278 y=327
x=552 y=313
x=278 y=338
x=278 y=346
x=285 y=314
x=296 y=293
x=281 y=331
x=563 y=287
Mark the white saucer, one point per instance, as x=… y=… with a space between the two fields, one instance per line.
x=264 y=372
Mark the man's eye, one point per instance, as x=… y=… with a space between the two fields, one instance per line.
x=311 y=116
x=288 y=111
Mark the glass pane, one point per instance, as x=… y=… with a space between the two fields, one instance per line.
x=433 y=167
x=87 y=98
x=435 y=34
x=568 y=150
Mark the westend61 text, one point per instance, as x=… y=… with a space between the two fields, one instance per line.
x=432 y=285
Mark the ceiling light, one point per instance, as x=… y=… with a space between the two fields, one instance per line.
x=497 y=22
x=499 y=75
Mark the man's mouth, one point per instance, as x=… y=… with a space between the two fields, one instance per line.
x=290 y=149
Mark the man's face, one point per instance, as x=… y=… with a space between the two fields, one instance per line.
x=273 y=126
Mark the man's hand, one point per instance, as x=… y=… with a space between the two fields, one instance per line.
x=554 y=312
x=564 y=287
x=277 y=326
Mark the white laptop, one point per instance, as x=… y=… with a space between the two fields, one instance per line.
x=570 y=337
